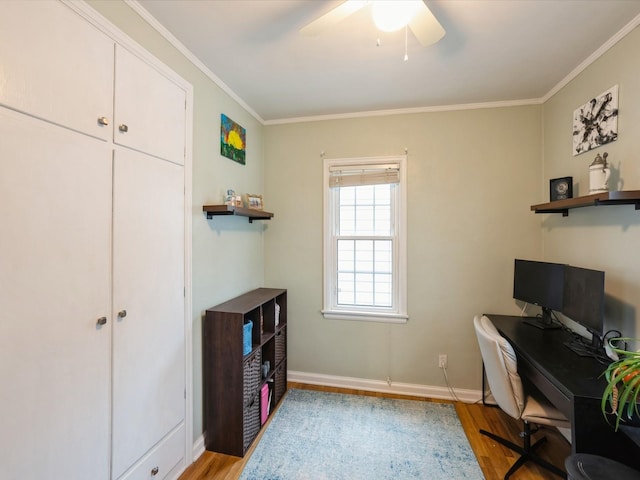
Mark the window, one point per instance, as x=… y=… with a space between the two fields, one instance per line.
x=365 y=239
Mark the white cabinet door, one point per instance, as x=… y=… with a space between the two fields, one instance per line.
x=55 y=206
x=56 y=66
x=148 y=269
x=149 y=109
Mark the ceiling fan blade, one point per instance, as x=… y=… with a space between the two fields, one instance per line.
x=426 y=27
x=332 y=17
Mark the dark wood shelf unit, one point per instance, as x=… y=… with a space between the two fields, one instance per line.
x=251 y=214
x=233 y=381
x=622 y=197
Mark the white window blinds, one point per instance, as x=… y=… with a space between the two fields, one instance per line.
x=354 y=175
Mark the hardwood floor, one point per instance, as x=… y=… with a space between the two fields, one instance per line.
x=494 y=459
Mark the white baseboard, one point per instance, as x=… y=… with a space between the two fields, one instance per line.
x=198 y=448
x=467 y=396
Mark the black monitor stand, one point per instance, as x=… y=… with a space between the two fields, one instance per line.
x=585 y=348
x=545 y=322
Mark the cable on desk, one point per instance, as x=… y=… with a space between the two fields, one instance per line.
x=583 y=349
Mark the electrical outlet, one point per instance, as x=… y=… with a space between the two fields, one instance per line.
x=442 y=360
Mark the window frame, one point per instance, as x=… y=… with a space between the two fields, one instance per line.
x=331 y=310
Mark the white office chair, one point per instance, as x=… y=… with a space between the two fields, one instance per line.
x=501 y=368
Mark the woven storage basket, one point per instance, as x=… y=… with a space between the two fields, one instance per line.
x=251 y=422
x=281 y=345
x=280 y=381
x=251 y=378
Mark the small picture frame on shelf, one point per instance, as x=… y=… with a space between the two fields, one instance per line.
x=254 y=202
x=561 y=188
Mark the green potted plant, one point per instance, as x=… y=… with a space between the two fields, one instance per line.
x=620 y=397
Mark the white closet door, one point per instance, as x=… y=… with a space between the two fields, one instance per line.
x=149 y=109
x=55 y=66
x=55 y=206
x=148 y=342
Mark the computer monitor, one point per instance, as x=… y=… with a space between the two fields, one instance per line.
x=542 y=284
x=583 y=300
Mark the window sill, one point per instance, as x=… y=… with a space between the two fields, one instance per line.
x=364 y=316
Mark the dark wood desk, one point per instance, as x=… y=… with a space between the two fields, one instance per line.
x=572 y=383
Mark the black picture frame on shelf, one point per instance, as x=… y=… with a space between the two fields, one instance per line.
x=561 y=188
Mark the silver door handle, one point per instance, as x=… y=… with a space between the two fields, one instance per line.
x=122 y=313
x=101 y=321
x=123 y=128
x=103 y=120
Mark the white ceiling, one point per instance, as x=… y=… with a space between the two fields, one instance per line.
x=493 y=51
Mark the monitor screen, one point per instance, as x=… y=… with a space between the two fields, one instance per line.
x=539 y=283
x=584 y=298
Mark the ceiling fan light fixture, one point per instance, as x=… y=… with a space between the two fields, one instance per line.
x=392 y=15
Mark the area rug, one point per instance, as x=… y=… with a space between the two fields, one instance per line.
x=330 y=436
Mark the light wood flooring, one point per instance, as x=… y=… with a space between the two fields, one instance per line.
x=494 y=459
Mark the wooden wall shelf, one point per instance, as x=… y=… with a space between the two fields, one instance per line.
x=622 y=197
x=212 y=210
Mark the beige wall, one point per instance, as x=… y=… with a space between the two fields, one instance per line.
x=604 y=238
x=472 y=177
x=227 y=251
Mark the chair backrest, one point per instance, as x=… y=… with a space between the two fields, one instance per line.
x=501 y=367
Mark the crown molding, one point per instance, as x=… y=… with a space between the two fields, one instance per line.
x=154 y=23
x=628 y=28
x=405 y=111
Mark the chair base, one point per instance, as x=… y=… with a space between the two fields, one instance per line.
x=526 y=452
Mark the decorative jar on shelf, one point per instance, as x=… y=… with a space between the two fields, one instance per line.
x=599 y=173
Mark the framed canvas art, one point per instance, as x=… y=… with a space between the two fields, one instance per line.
x=596 y=122
x=232 y=140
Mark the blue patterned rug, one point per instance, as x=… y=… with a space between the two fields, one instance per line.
x=329 y=436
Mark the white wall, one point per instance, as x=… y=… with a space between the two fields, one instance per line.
x=227 y=251
x=603 y=238
x=472 y=178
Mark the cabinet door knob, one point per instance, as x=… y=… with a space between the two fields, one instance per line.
x=123 y=128
x=103 y=120
x=154 y=471
x=101 y=321
x=122 y=313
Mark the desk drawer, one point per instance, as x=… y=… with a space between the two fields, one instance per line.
x=548 y=389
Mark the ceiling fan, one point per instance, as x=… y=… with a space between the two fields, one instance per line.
x=388 y=16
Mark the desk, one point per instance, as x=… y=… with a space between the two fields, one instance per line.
x=572 y=383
